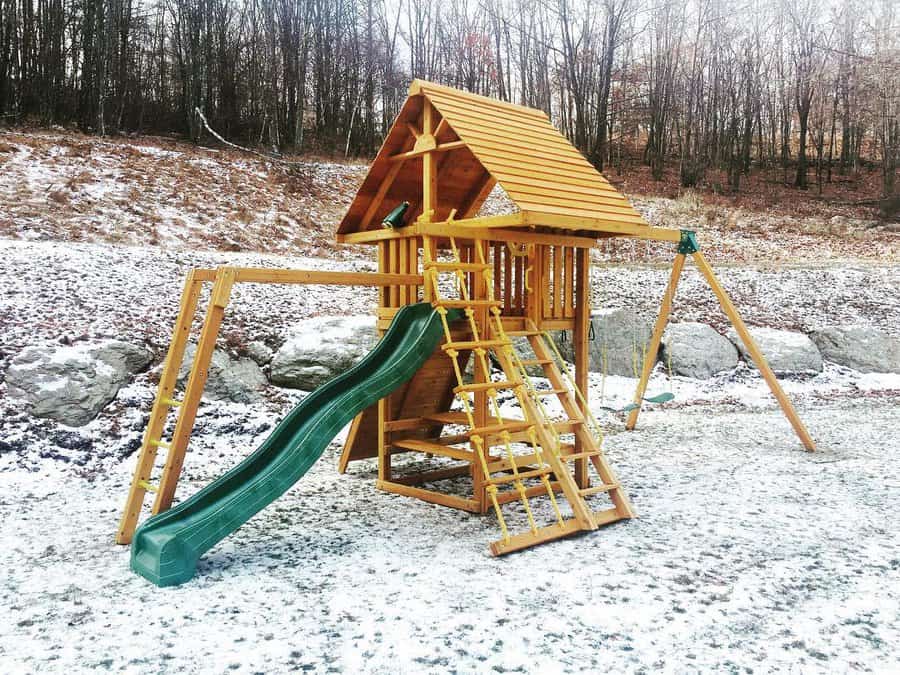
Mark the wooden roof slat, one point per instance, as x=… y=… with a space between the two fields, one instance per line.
x=493 y=141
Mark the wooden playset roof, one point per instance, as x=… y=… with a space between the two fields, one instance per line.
x=480 y=142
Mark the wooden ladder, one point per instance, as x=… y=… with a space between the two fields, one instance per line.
x=166 y=402
x=545 y=466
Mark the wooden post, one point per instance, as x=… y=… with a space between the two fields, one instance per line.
x=479 y=291
x=665 y=309
x=161 y=407
x=221 y=293
x=580 y=346
x=757 y=356
x=429 y=167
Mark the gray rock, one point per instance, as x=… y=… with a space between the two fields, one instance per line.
x=319 y=349
x=72 y=384
x=862 y=348
x=260 y=352
x=619 y=335
x=786 y=351
x=697 y=350
x=238 y=380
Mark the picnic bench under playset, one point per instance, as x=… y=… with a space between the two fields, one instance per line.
x=446 y=402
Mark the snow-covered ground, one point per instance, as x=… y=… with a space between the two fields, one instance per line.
x=749 y=555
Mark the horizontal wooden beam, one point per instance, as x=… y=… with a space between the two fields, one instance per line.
x=442 y=147
x=609 y=226
x=265 y=275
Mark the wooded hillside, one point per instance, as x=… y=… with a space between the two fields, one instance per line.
x=811 y=87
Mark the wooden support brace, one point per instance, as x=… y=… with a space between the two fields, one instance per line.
x=754 y=351
x=221 y=293
x=665 y=310
x=147 y=456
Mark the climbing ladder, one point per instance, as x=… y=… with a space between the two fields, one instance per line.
x=544 y=469
x=166 y=403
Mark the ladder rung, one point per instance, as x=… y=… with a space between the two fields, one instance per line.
x=525 y=475
x=475 y=344
x=485 y=386
x=579 y=455
x=149 y=487
x=160 y=444
x=519 y=460
x=535 y=362
x=453 y=266
x=499 y=428
x=547 y=392
x=597 y=489
x=465 y=304
x=522 y=333
x=171 y=402
x=451 y=417
x=435 y=449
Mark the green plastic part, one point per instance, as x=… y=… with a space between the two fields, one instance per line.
x=661 y=398
x=166 y=548
x=688 y=243
x=396 y=216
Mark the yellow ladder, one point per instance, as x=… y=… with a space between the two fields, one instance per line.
x=545 y=465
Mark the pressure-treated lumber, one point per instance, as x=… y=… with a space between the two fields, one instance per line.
x=162 y=405
x=658 y=329
x=754 y=351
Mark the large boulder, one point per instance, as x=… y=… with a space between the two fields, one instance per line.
x=620 y=337
x=697 y=350
x=239 y=380
x=320 y=349
x=862 y=348
x=71 y=384
x=787 y=352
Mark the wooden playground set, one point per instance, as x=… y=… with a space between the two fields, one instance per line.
x=470 y=410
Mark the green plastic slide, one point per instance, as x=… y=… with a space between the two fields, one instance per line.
x=166 y=548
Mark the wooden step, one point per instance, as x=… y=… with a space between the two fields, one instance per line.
x=474 y=344
x=433 y=448
x=484 y=386
x=579 y=455
x=547 y=392
x=505 y=464
x=522 y=333
x=597 y=489
x=524 y=475
x=535 y=362
x=453 y=266
x=465 y=304
x=511 y=427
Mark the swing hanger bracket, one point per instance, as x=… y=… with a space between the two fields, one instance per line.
x=688 y=244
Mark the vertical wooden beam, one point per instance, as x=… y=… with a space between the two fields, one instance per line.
x=557 y=282
x=581 y=348
x=190 y=297
x=754 y=351
x=569 y=282
x=659 y=328
x=221 y=293
x=429 y=167
x=479 y=291
x=384 y=439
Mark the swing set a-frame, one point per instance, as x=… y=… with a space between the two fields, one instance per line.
x=486 y=442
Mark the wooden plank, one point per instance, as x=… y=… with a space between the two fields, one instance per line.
x=580 y=346
x=187 y=412
x=433 y=476
x=433 y=90
x=659 y=328
x=557 y=283
x=442 y=147
x=569 y=282
x=429 y=169
x=430 y=496
x=754 y=351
